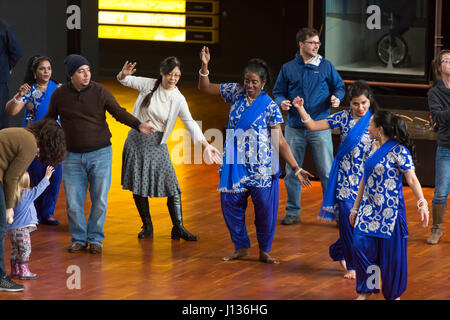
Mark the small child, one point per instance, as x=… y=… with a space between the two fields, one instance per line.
x=24 y=222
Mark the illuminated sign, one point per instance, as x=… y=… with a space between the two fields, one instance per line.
x=178 y=21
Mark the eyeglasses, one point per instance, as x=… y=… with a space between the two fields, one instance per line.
x=313 y=43
x=445 y=61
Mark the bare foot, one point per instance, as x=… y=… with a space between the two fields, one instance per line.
x=351 y=274
x=363 y=296
x=236 y=254
x=264 y=257
x=343 y=264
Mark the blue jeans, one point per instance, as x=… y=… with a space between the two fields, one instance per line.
x=442 y=181
x=81 y=170
x=2 y=231
x=322 y=148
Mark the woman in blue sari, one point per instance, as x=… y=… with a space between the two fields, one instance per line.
x=347 y=168
x=378 y=214
x=250 y=164
x=35 y=95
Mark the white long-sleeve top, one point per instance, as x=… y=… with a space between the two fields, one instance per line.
x=164 y=109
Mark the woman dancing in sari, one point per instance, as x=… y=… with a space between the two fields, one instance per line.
x=250 y=166
x=379 y=215
x=347 y=168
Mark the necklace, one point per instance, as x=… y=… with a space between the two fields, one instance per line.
x=43 y=87
x=249 y=100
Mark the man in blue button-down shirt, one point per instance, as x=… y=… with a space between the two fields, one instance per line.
x=10 y=53
x=314 y=79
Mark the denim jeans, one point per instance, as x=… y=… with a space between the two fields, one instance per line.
x=322 y=148
x=81 y=170
x=2 y=231
x=442 y=181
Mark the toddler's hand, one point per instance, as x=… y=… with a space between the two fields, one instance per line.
x=49 y=171
x=10 y=215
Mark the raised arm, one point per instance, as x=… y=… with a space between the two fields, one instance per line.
x=15 y=105
x=126 y=78
x=306 y=118
x=203 y=82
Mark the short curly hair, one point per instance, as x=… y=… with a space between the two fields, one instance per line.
x=51 y=141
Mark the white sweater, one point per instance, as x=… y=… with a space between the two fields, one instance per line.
x=157 y=111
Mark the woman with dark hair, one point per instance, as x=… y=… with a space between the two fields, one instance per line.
x=378 y=214
x=439 y=104
x=250 y=166
x=347 y=168
x=18 y=147
x=35 y=95
x=147 y=170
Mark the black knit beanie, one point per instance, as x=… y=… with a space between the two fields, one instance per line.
x=73 y=62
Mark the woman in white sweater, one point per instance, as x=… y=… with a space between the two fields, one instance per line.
x=147 y=170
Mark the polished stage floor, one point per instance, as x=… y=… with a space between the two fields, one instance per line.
x=164 y=269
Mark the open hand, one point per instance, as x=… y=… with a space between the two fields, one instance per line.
x=128 y=69
x=212 y=155
x=303 y=177
x=49 y=171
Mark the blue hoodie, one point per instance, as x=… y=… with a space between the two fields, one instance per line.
x=315 y=83
x=25 y=212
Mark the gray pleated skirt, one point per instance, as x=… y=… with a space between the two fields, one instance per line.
x=146 y=167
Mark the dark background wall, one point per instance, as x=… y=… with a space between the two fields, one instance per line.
x=248 y=28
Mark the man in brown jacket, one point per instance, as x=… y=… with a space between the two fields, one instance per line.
x=81 y=105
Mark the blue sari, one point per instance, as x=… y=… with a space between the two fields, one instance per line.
x=41 y=109
x=328 y=209
x=234 y=173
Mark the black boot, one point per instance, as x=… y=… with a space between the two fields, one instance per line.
x=178 y=230
x=144 y=212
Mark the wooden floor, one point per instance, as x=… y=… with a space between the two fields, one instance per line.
x=165 y=269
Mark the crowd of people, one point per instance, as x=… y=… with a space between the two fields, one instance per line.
x=65 y=138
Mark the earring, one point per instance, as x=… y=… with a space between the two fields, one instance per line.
x=379 y=134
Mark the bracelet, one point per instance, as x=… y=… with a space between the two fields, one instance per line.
x=307 y=120
x=295 y=168
x=203 y=75
x=298 y=171
x=354 y=210
x=422 y=203
x=16 y=101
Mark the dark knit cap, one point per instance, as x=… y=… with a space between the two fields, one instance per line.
x=73 y=62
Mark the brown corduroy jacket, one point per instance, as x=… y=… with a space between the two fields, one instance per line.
x=18 y=148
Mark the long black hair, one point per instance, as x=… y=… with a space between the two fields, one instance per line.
x=166 y=66
x=32 y=66
x=394 y=127
x=262 y=69
x=359 y=88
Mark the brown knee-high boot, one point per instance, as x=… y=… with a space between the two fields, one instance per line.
x=438 y=219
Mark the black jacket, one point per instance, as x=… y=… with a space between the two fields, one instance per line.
x=10 y=51
x=439 y=103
